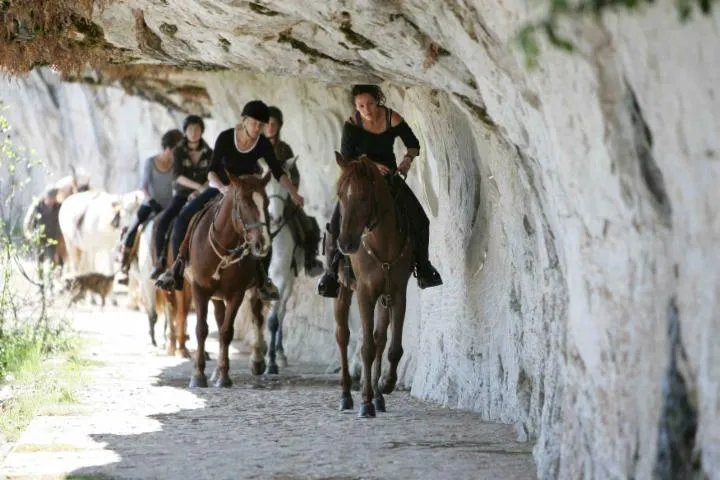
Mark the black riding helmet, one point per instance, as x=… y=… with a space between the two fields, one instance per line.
x=256 y=109
x=193 y=120
x=275 y=113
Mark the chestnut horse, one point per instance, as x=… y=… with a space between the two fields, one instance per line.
x=225 y=243
x=380 y=250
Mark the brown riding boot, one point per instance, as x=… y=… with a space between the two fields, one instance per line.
x=328 y=285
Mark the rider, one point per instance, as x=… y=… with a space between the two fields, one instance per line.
x=191 y=159
x=372 y=131
x=283 y=152
x=156 y=184
x=237 y=151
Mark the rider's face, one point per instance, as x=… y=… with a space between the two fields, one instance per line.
x=193 y=133
x=366 y=105
x=272 y=128
x=253 y=127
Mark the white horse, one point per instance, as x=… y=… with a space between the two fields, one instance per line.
x=285 y=252
x=91 y=223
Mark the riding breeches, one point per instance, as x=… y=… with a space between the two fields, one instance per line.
x=164 y=219
x=147 y=208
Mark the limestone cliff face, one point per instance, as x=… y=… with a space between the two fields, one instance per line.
x=573 y=208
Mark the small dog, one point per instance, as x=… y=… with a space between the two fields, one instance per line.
x=91 y=282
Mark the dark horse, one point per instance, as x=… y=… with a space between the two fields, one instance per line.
x=380 y=250
x=225 y=243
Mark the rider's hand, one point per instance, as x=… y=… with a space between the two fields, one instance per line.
x=383 y=169
x=404 y=166
x=298 y=199
x=224 y=189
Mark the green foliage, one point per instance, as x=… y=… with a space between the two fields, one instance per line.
x=527 y=37
x=28 y=328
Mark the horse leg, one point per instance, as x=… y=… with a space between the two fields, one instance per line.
x=342 y=336
x=201 y=332
x=170 y=322
x=380 y=336
x=257 y=360
x=395 y=352
x=366 y=306
x=152 y=320
x=273 y=323
x=219 y=310
x=282 y=310
x=221 y=377
x=181 y=309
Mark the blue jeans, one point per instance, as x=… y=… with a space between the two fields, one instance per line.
x=183 y=220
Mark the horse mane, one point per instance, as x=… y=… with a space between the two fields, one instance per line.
x=357 y=174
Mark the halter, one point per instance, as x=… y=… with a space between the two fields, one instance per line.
x=285 y=220
x=240 y=251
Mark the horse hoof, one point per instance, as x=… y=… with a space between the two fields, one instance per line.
x=379 y=404
x=183 y=352
x=346 y=403
x=258 y=368
x=386 y=386
x=223 y=382
x=198 y=381
x=367 y=410
x=282 y=360
x=272 y=369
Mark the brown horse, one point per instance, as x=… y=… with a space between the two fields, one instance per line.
x=225 y=244
x=380 y=251
x=175 y=304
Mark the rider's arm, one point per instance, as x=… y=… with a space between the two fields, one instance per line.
x=145 y=173
x=179 y=171
x=406 y=135
x=216 y=164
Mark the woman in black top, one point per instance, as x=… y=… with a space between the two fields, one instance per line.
x=191 y=160
x=372 y=131
x=238 y=151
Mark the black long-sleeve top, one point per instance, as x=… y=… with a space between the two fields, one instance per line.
x=378 y=147
x=183 y=165
x=226 y=156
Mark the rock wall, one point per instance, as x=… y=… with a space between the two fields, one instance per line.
x=573 y=208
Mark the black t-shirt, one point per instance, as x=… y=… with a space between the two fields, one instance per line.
x=182 y=165
x=226 y=156
x=357 y=141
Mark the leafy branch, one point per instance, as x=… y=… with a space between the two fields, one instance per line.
x=527 y=37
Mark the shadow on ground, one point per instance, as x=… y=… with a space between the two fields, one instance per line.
x=288 y=427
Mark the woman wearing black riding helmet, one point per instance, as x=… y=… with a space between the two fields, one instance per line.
x=190 y=162
x=237 y=151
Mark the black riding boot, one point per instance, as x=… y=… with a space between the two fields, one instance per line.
x=266 y=287
x=172 y=278
x=328 y=285
x=313 y=266
x=427 y=275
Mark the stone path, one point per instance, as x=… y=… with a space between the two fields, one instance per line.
x=137 y=419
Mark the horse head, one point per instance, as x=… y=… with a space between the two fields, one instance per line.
x=250 y=211
x=357 y=196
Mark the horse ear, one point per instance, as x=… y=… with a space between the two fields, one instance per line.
x=340 y=160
